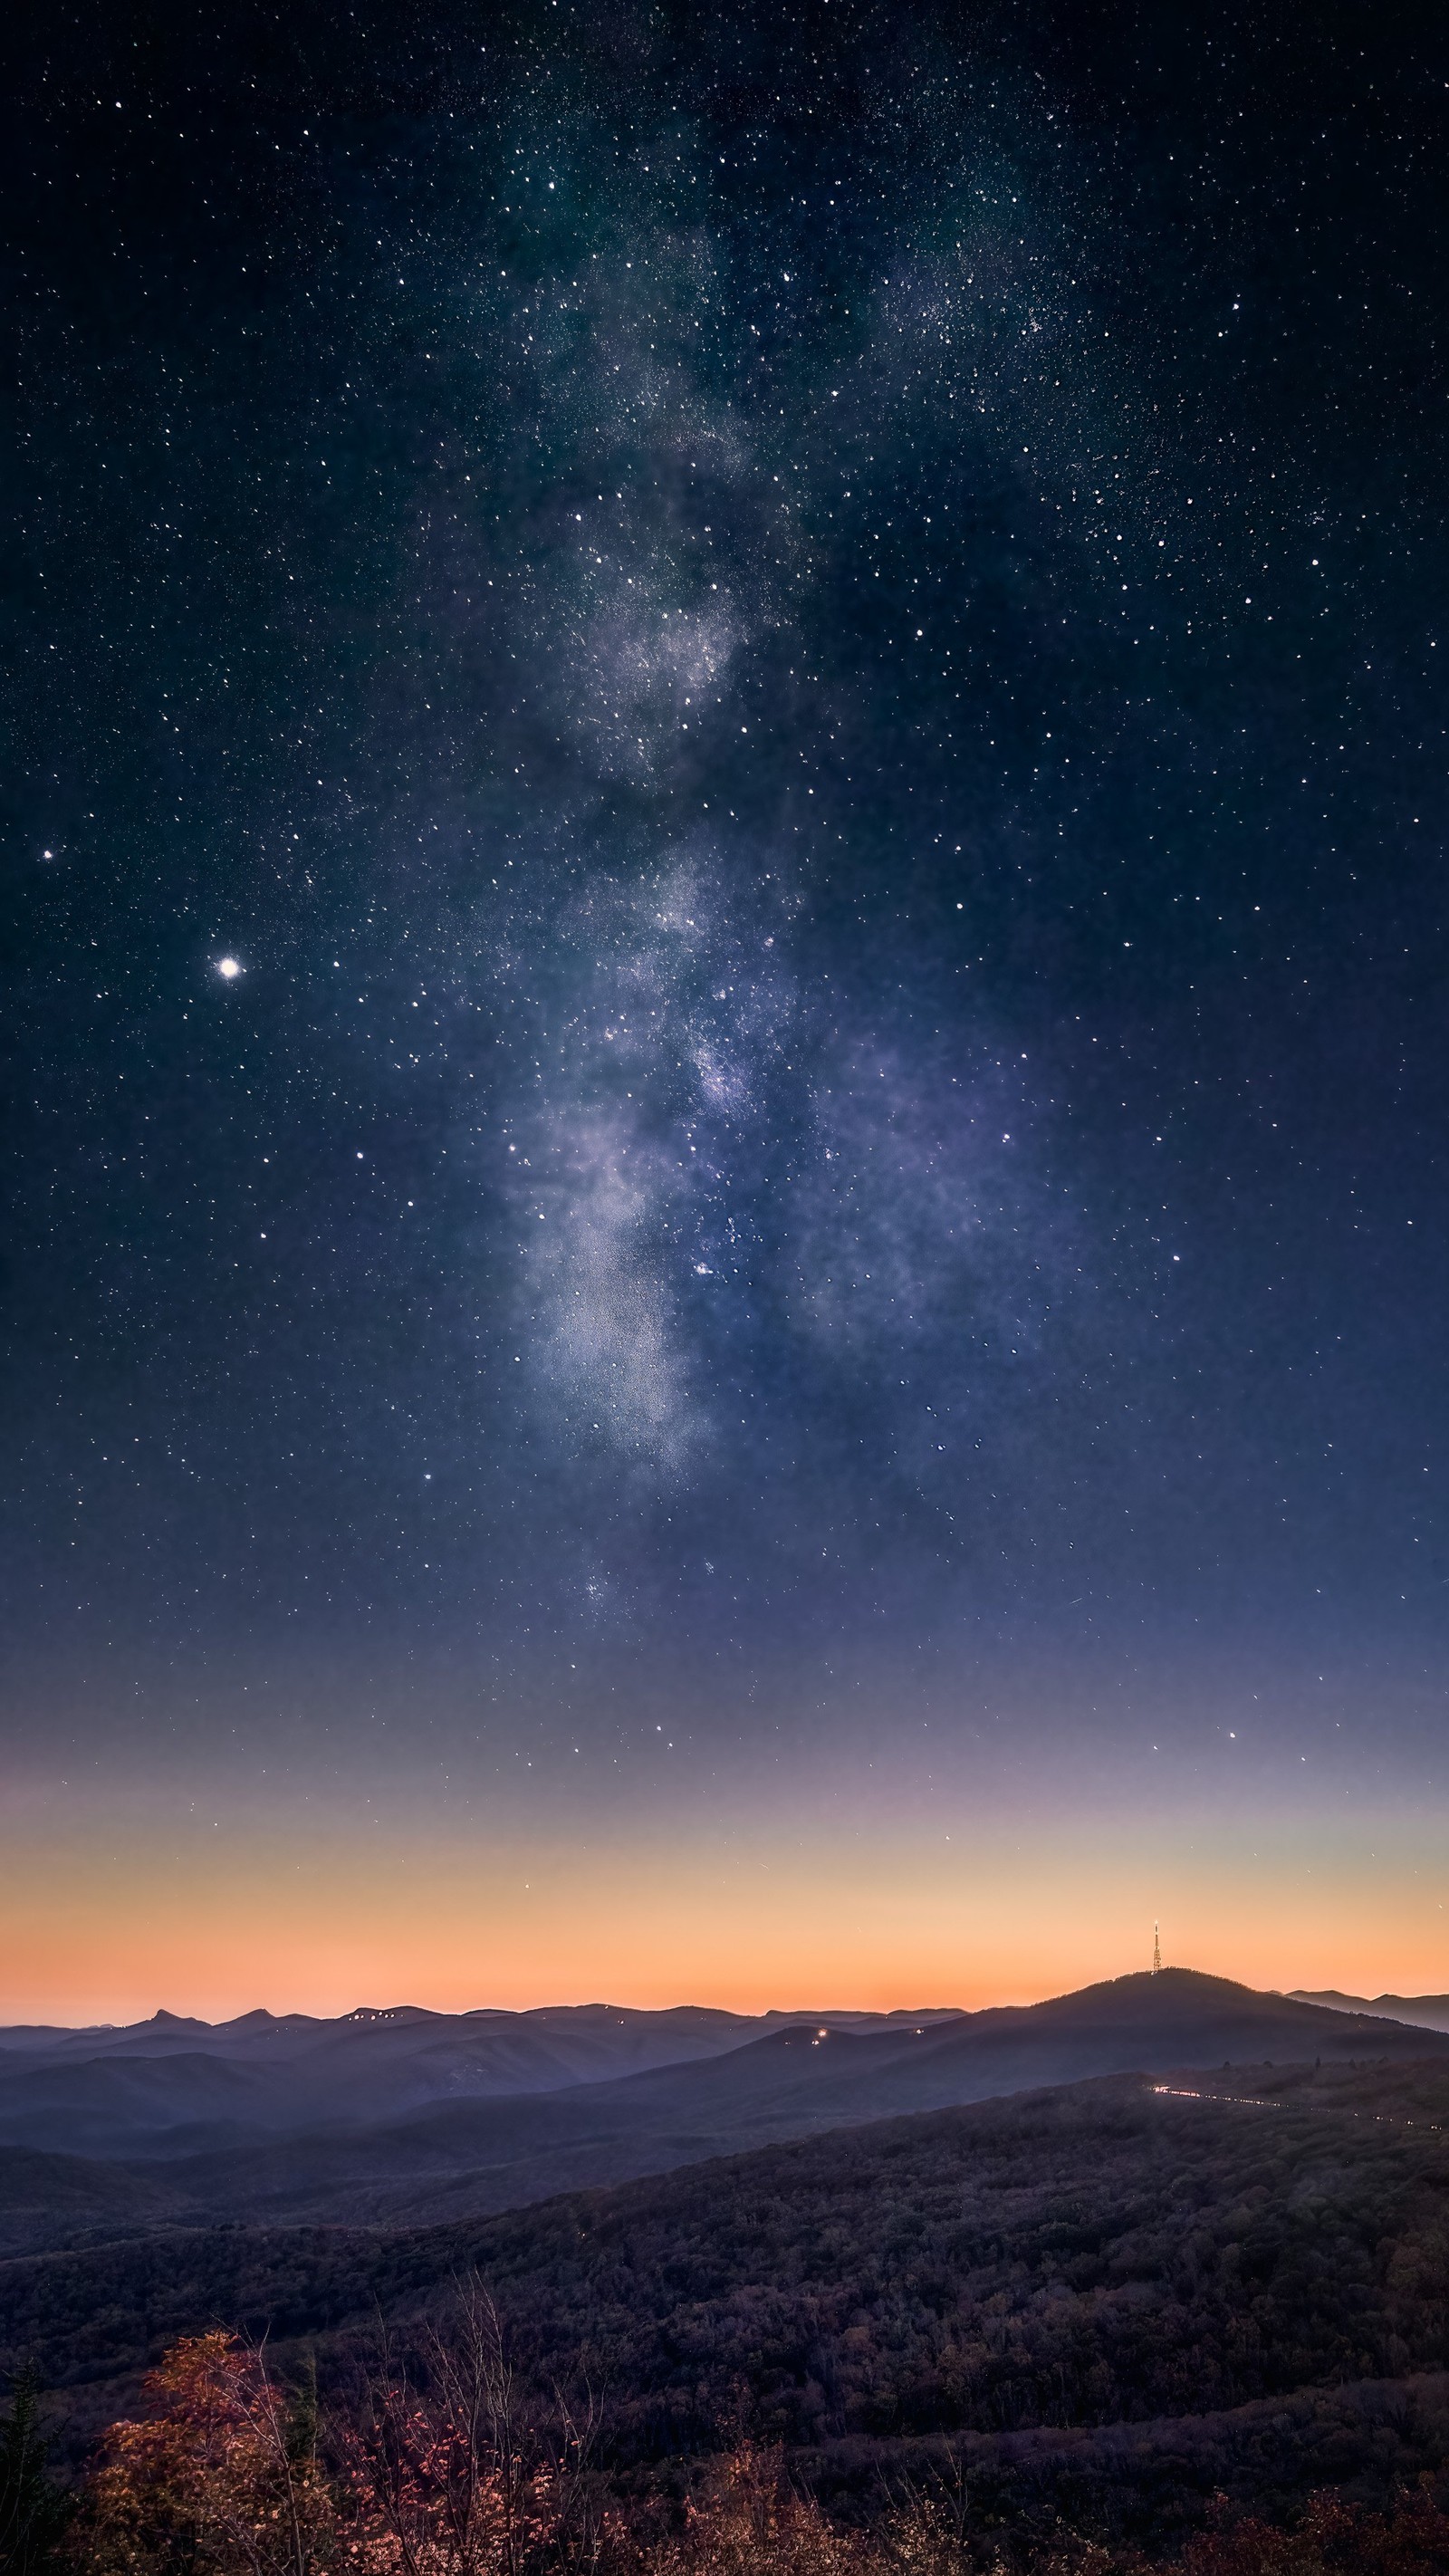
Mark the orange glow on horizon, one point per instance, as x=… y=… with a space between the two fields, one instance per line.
x=92 y=1933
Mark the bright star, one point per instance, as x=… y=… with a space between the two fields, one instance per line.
x=229 y=967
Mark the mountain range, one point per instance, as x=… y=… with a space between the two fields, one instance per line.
x=404 y=2118
x=172 y=2086
x=1426 y=2012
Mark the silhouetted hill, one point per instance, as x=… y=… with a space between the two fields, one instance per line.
x=482 y=2153
x=1422 y=2012
x=812 y=2077
x=174 y=2086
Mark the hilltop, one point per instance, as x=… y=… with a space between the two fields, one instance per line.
x=122 y=2139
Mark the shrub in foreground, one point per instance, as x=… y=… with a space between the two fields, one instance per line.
x=429 y=2469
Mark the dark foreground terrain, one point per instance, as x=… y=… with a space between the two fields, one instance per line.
x=1108 y=2300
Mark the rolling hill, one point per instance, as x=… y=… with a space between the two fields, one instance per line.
x=1422 y=2012
x=174 y=2086
x=482 y=2152
x=1111 y=2301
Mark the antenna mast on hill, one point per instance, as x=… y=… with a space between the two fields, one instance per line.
x=1156 y=1952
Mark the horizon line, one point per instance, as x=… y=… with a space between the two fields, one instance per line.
x=770 y=2012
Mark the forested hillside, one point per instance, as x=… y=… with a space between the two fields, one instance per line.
x=1113 y=2297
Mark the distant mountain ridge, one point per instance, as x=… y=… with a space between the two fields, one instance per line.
x=1421 y=2012
x=127 y=2142
x=165 y=2029
x=174 y=2085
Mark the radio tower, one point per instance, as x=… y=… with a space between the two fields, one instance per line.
x=1156 y=1952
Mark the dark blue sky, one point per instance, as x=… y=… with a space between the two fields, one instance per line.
x=798 y=658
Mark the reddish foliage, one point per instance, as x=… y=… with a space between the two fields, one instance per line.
x=1334 y=2538
x=749 y=2520
x=438 y=2479
x=215 y=2480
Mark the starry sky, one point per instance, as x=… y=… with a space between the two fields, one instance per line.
x=726 y=1046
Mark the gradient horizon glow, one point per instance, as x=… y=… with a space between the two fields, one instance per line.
x=728 y=1077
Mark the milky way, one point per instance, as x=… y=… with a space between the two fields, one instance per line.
x=723 y=855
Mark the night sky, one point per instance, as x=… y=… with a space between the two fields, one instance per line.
x=726 y=1040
